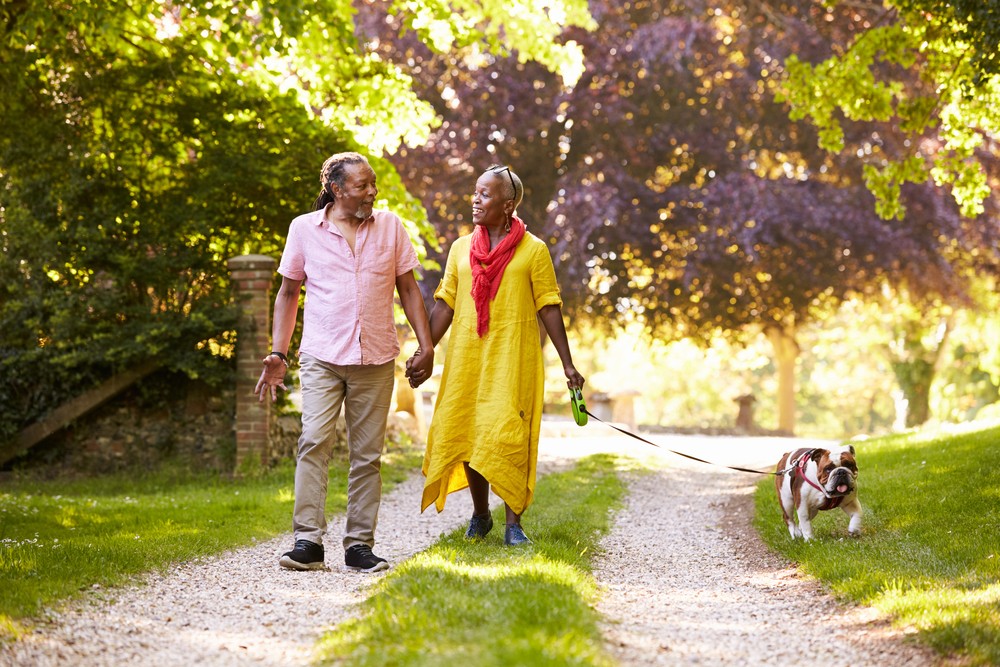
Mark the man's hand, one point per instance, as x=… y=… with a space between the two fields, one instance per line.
x=419 y=367
x=272 y=377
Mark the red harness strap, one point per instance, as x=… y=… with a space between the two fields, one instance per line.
x=828 y=502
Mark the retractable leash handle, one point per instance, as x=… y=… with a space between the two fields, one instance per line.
x=579 y=407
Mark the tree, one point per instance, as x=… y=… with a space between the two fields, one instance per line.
x=928 y=67
x=674 y=190
x=916 y=346
x=145 y=142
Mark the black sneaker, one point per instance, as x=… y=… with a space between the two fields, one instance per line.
x=479 y=526
x=305 y=556
x=360 y=557
x=515 y=536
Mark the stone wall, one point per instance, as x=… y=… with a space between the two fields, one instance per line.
x=164 y=418
x=169 y=419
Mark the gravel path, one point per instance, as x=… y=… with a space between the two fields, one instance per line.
x=686 y=580
x=237 y=609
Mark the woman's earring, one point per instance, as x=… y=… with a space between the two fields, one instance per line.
x=507 y=226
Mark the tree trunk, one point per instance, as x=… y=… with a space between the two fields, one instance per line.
x=786 y=352
x=915 y=378
x=914 y=354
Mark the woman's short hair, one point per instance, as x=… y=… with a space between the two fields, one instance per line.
x=513 y=188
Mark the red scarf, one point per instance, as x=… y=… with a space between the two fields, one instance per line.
x=488 y=267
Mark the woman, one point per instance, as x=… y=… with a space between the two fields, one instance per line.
x=498 y=283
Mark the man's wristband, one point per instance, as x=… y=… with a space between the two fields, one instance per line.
x=279 y=355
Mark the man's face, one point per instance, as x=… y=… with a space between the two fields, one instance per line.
x=359 y=191
x=489 y=201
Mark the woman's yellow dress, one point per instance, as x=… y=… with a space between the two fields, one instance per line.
x=489 y=405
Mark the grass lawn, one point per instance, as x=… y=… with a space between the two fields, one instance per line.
x=58 y=538
x=929 y=554
x=484 y=604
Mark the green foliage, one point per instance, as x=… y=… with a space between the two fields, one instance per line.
x=59 y=537
x=851 y=85
x=929 y=555
x=885 y=184
x=144 y=144
x=485 y=604
x=129 y=179
x=448 y=25
x=932 y=73
x=973 y=24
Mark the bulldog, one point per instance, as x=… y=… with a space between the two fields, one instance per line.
x=810 y=480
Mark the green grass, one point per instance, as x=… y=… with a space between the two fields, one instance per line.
x=929 y=554
x=485 y=604
x=58 y=538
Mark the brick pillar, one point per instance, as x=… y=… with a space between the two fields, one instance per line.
x=252 y=276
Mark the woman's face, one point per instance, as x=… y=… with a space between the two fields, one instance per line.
x=489 y=202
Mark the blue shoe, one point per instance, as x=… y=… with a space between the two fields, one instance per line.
x=479 y=526
x=515 y=536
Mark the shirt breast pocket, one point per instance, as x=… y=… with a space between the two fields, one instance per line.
x=379 y=260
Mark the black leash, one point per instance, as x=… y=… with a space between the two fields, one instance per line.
x=687 y=456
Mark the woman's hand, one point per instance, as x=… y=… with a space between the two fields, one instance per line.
x=573 y=378
x=420 y=367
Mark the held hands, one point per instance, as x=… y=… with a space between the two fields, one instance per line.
x=419 y=367
x=272 y=377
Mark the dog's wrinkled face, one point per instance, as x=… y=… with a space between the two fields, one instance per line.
x=837 y=470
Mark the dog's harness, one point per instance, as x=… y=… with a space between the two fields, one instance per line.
x=798 y=465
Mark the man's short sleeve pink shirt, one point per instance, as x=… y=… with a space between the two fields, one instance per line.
x=348 y=316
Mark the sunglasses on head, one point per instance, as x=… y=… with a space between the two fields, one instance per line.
x=499 y=168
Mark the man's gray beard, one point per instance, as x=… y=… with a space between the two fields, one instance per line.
x=360 y=213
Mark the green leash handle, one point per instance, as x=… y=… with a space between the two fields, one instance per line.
x=579 y=407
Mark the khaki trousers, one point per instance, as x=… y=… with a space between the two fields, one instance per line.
x=365 y=393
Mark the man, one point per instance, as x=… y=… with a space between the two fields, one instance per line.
x=350 y=258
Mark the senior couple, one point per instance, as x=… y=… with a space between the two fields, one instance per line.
x=498 y=284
